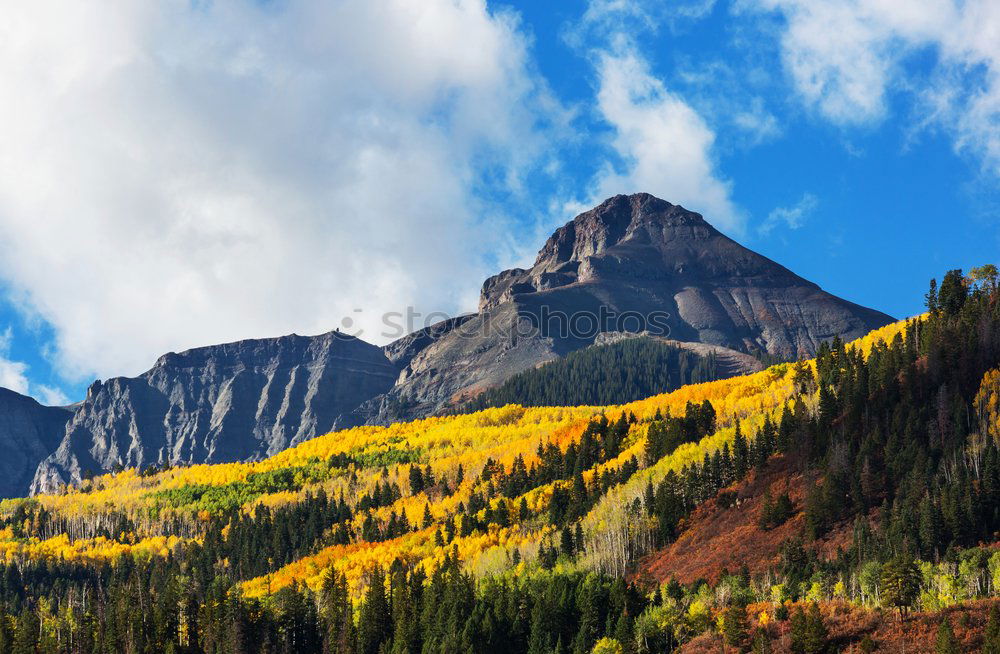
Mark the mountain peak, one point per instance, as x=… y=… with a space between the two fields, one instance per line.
x=619 y=219
x=636 y=235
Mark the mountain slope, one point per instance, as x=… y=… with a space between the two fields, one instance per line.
x=632 y=263
x=234 y=402
x=616 y=370
x=29 y=432
x=569 y=528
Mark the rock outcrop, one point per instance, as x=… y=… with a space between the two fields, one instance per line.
x=235 y=402
x=29 y=432
x=633 y=263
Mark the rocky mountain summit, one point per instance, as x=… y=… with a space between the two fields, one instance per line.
x=632 y=264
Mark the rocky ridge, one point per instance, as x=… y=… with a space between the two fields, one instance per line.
x=636 y=256
x=239 y=401
x=29 y=432
x=632 y=264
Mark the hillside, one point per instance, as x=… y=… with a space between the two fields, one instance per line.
x=232 y=402
x=634 y=528
x=632 y=264
x=616 y=371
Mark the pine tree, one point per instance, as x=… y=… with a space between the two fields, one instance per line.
x=762 y=643
x=339 y=633
x=375 y=622
x=991 y=635
x=946 y=643
x=416 y=479
x=741 y=453
x=815 y=637
x=931 y=298
x=26 y=633
x=566 y=541
x=953 y=293
x=734 y=626
x=797 y=631
x=579 y=500
x=930 y=528
x=900 y=584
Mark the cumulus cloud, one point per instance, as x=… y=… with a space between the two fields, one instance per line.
x=664 y=144
x=176 y=174
x=846 y=58
x=12 y=373
x=791 y=217
x=49 y=395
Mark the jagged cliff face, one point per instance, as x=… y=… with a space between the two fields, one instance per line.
x=29 y=432
x=635 y=254
x=234 y=402
x=641 y=253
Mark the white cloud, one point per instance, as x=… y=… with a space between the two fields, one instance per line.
x=846 y=57
x=617 y=15
x=754 y=120
x=14 y=376
x=176 y=174
x=12 y=373
x=50 y=396
x=791 y=217
x=665 y=145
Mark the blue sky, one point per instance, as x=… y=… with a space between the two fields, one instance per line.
x=183 y=174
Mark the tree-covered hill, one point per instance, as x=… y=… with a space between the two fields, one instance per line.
x=867 y=479
x=617 y=373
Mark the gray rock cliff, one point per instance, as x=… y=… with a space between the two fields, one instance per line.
x=666 y=269
x=29 y=432
x=635 y=256
x=234 y=402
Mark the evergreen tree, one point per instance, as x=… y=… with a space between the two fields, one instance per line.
x=900 y=584
x=741 y=453
x=991 y=635
x=946 y=643
x=374 y=622
x=798 y=628
x=762 y=643
x=734 y=626
x=931 y=298
x=953 y=293
x=416 y=479
x=339 y=635
x=428 y=518
x=566 y=541
x=815 y=637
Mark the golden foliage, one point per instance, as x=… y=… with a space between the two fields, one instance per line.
x=379 y=454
